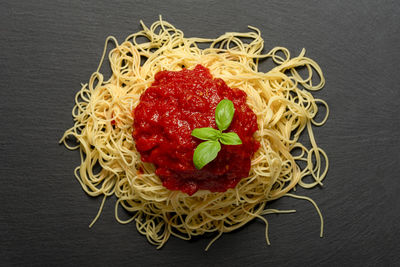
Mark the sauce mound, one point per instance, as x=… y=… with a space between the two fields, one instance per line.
x=178 y=102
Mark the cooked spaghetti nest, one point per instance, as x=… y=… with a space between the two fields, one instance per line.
x=280 y=98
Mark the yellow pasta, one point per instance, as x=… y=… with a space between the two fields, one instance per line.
x=280 y=98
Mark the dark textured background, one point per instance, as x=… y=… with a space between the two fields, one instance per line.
x=47 y=48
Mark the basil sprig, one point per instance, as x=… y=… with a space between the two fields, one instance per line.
x=207 y=151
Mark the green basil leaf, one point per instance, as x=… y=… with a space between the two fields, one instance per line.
x=205 y=153
x=206 y=133
x=224 y=114
x=230 y=138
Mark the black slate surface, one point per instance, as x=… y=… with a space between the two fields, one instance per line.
x=47 y=48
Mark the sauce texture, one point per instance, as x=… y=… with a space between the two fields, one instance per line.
x=178 y=102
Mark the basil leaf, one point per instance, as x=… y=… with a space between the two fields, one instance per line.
x=206 y=133
x=205 y=152
x=224 y=114
x=230 y=138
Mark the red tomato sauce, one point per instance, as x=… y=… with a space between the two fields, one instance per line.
x=178 y=102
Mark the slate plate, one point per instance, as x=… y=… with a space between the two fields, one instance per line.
x=47 y=48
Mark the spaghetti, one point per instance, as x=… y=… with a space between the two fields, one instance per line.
x=280 y=98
